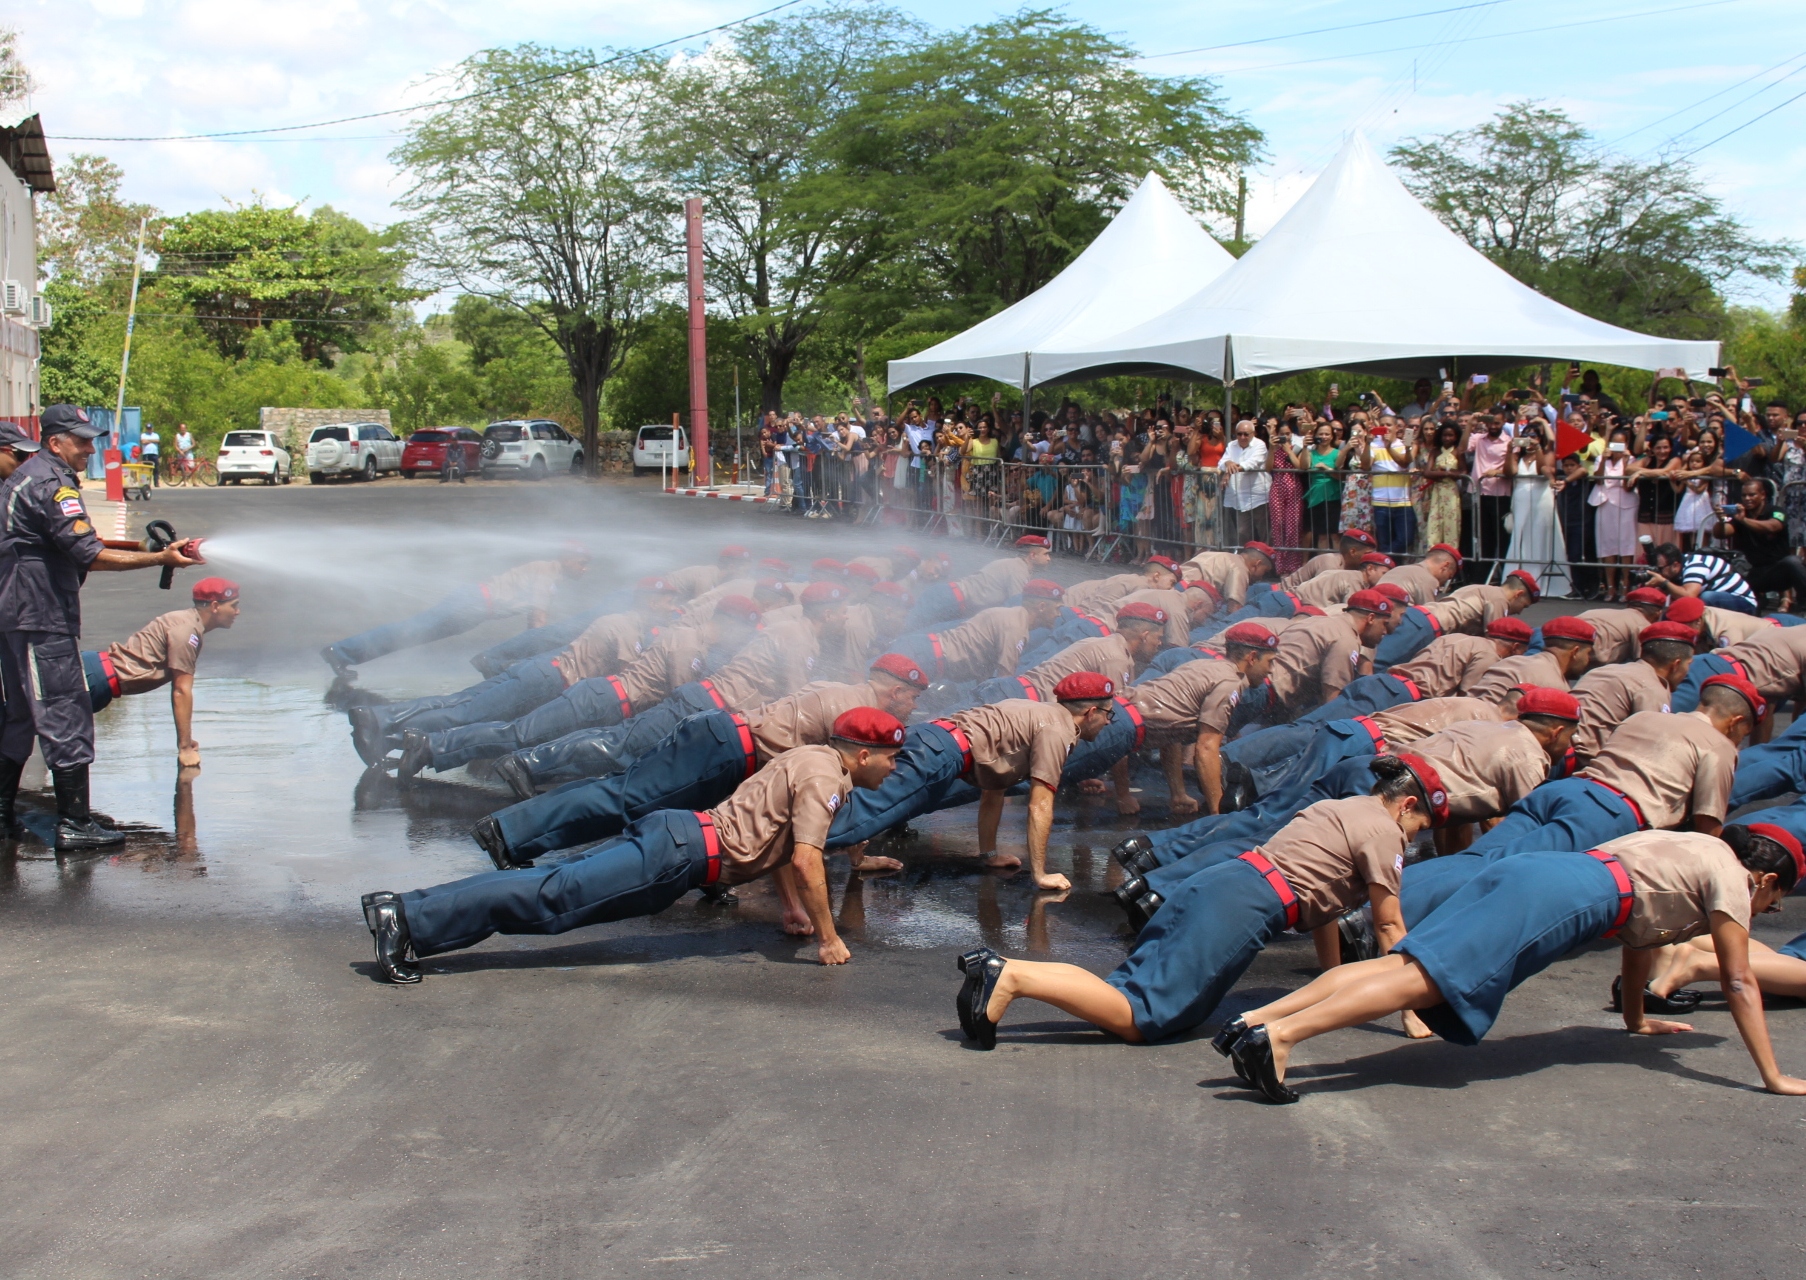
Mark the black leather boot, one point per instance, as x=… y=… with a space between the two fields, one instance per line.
x=9 y=793
x=76 y=829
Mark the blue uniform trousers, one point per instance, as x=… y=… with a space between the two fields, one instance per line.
x=1410 y=638
x=515 y=692
x=1071 y=628
x=1000 y=689
x=1772 y=769
x=1787 y=619
x=935 y=604
x=1293 y=756
x=1725 y=600
x=639 y=873
x=1197 y=946
x=46 y=693
x=919 y=649
x=100 y=689
x=1363 y=696
x=534 y=641
x=594 y=752
x=1703 y=667
x=1170 y=660
x=928 y=765
x=1268 y=753
x=462 y=610
x=1265 y=600
x=587 y=705
x=697 y=767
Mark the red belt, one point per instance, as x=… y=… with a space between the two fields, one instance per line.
x=1297 y=604
x=1209 y=652
x=1641 y=823
x=708 y=687
x=959 y=597
x=960 y=740
x=1435 y=626
x=1373 y=731
x=1134 y=714
x=1410 y=687
x=106 y=665
x=488 y=600
x=747 y=744
x=1028 y=689
x=621 y=693
x=1271 y=874
x=940 y=660
x=1627 y=894
x=1103 y=628
x=711 y=845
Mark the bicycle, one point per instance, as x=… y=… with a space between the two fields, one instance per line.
x=193 y=471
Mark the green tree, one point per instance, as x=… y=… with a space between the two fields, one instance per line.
x=70 y=370
x=87 y=233
x=15 y=79
x=997 y=153
x=326 y=275
x=424 y=380
x=532 y=189
x=520 y=371
x=746 y=130
x=1639 y=245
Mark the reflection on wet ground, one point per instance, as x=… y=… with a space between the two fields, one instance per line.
x=283 y=818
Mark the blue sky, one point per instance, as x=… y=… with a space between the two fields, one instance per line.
x=1640 y=73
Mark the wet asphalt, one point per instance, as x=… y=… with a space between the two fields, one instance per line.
x=203 y=1079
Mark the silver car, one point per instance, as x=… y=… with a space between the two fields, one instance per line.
x=533 y=447
x=361 y=450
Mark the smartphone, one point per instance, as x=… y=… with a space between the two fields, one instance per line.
x=1479 y=380
x=1718 y=373
x=1335 y=389
x=1448 y=388
x=1617 y=446
x=1659 y=415
x=1757 y=382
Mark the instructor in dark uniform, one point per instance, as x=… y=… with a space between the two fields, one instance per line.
x=47 y=549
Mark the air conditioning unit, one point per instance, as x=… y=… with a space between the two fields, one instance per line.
x=41 y=311
x=14 y=298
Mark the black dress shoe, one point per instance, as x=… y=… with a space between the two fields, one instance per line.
x=416 y=754
x=1129 y=892
x=339 y=665
x=515 y=777
x=1224 y=1040
x=1685 y=1000
x=488 y=834
x=367 y=735
x=394 y=948
x=1143 y=908
x=717 y=895
x=84 y=835
x=1135 y=855
x=1238 y=787
x=1356 y=931
x=982 y=969
x=1254 y=1051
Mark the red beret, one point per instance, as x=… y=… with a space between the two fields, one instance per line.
x=1667 y=631
x=1549 y=702
x=775 y=565
x=213 y=591
x=1567 y=628
x=1431 y=782
x=1530 y=584
x=734 y=551
x=1392 y=591
x=1361 y=536
x=1042 y=589
x=1032 y=540
x=829 y=565
x=1686 y=609
x=1201 y=585
x=908 y=553
x=1446 y=549
x=771 y=589
x=1370 y=602
x=1379 y=557
x=653 y=584
x=864 y=572
x=905 y=669
x=823 y=593
x=1646 y=595
x=1165 y=562
x=1743 y=688
x=1313 y=611
x=1271 y=555
x=739 y=607
x=1251 y=634
x=1084 y=686
x=1141 y=611
x=869 y=727
x=1784 y=838
x=1515 y=630
x=893 y=591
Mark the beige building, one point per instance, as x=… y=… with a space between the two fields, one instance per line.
x=23 y=310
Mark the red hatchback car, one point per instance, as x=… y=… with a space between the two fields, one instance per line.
x=424 y=453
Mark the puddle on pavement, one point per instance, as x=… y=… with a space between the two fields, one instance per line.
x=282 y=818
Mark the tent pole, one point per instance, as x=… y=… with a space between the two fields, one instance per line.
x=1228 y=389
x=1027 y=388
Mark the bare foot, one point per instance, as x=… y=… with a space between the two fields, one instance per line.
x=1054 y=881
x=1008 y=861
x=1184 y=805
x=1414 y=1026
x=1128 y=806
x=1092 y=787
x=796 y=923
x=877 y=864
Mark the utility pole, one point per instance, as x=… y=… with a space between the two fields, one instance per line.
x=1241 y=211
x=700 y=471
x=131 y=320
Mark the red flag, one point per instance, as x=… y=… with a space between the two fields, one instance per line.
x=1570 y=440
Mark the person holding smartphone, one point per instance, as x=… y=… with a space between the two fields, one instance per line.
x=1756 y=528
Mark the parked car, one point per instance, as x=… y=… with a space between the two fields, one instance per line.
x=535 y=447
x=360 y=449
x=659 y=446
x=424 y=453
x=247 y=454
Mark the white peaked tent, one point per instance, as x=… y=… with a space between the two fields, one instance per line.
x=1152 y=250
x=1359 y=275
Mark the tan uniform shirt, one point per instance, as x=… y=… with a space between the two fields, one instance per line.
x=1776 y=661
x=1178 y=629
x=1485 y=767
x=1679 y=878
x=790 y=801
x=1316 y=658
x=692 y=580
x=848 y=654
x=1329 y=561
x=1615 y=633
x=1106 y=655
x=1449 y=664
x=166 y=647
x=1728 y=627
x=1332 y=852
x=701 y=608
x=996 y=583
x=1415 y=579
x=985 y=645
x=1330 y=588
x=526 y=588
x=803 y=719
x=608 y=645
x=880 y=565
x=1539 y=669
x=1225 y=571
x=675 y=658
x=780 y=660
x=1411 y=722
x=1195 y=698
x=1097 y=593
x=1016 y=740
x=1469 y=609
x=1670 y=766
x=1611 y=695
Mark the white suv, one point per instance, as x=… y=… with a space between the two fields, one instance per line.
x=244 y=455
x=362 y=449
x=536 y=447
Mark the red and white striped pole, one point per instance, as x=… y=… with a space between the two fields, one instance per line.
x=699 y=351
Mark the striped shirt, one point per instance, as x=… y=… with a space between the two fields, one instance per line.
x=1714 y=574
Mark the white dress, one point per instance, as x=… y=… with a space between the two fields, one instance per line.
x=1536 y=536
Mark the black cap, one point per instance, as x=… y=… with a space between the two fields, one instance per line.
x=16 y=440
x=68 y=419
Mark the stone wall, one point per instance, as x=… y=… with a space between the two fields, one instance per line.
x=293 y=426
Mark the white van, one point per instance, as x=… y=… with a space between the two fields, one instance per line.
x=660 y=446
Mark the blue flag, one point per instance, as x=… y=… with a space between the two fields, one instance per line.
x=1737 y=442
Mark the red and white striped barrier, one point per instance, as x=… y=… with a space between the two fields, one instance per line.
x=716 y=493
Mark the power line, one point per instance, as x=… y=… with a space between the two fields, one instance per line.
x=1740 y=128
x=1724 y=111
x=1702 y=102
x=440 y=102
x=1317 y=31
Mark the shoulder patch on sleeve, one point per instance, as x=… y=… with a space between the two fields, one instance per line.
x=65 y=492
x=81 y=526
x=834 y=801
x=194 y=640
